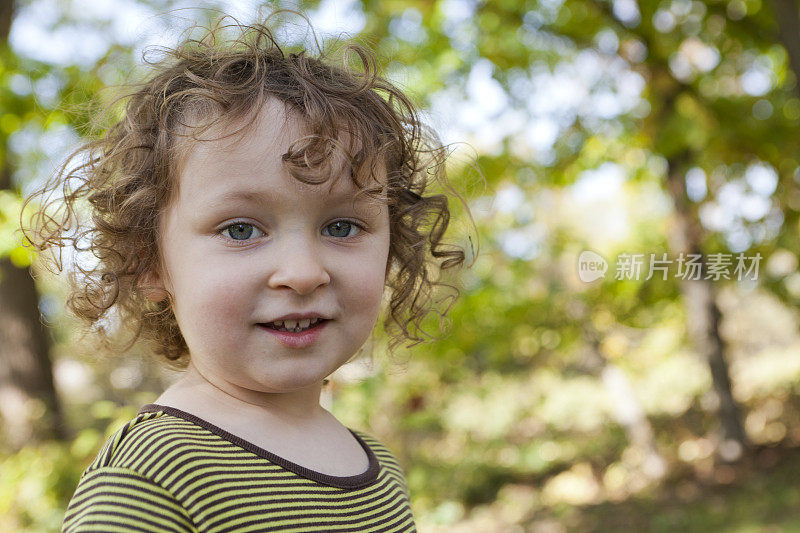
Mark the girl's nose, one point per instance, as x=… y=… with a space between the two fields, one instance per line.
x=298 y=266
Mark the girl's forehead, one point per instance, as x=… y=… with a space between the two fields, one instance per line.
x=265 y=135
x=234 y=155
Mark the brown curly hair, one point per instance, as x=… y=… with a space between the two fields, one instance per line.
x=129 y=175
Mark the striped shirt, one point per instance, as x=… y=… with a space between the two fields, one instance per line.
x=168 y=470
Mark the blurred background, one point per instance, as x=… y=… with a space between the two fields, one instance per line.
x=644 y=400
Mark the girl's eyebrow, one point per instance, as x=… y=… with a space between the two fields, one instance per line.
x=255 y=197
x=264 y=197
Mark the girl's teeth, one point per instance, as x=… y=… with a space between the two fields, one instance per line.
x=294 y=325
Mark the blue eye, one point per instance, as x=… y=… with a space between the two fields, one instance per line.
x=243 y=231
x=343 y=226
x=240 y=231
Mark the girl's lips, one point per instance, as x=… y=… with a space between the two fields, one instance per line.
x=300 y=339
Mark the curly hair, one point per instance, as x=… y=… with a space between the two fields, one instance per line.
x=128 y=175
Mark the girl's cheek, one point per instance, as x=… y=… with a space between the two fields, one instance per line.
x=368 y=287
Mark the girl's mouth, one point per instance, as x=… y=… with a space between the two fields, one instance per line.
x=298 y=336
x=294 y=326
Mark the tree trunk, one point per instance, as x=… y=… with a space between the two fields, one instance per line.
x=703 y=314
x=788 y=18
x=28 y=400
x=699 y=295
x=6 y=16
x=29 y=404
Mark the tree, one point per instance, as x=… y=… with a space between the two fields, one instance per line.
x=29 y=403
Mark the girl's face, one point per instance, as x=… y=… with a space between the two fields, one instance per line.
x=244 y=244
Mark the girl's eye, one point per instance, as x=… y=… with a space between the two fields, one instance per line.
x=341 y=228
x=240 y=231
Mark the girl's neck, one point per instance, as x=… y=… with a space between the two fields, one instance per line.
x=194 y=393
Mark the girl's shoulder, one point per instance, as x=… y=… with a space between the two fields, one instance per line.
x=142 y=433
x=383 y=453
x=386 y=458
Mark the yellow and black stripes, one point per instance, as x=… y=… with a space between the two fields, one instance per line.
x=167 y=470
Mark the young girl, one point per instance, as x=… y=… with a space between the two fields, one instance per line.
x=248 y=213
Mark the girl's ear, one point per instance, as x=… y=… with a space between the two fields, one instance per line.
x=152 y=287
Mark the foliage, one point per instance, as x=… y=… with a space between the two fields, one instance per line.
x=39 y=480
